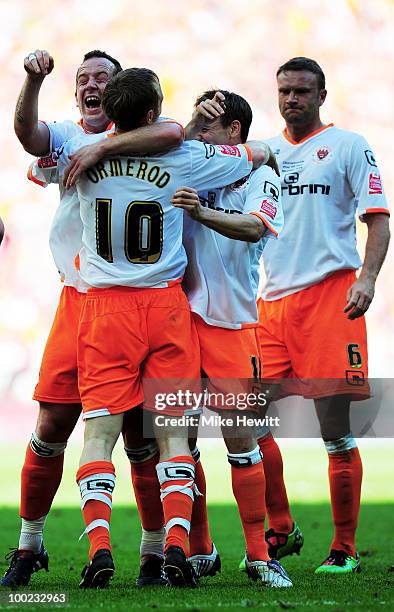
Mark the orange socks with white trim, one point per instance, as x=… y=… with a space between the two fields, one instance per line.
x=96 y=482
x=278 y=510
x=200 y=540
x=345 y=476
x=176 y=477
x=248 y=482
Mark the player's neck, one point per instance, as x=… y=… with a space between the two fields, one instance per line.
x=299 y=132
x=94 y=129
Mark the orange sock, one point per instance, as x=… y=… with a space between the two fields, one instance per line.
x=248 y=482
x=345 y=475
x=200 y=540
x=279 y=516
x=40 y=479
x=96 y=482
x=147 y=493
x=176 y=477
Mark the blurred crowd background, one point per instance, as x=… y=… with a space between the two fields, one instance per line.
x=192 y=45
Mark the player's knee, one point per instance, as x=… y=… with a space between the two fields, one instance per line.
x=237 y=442
x=144 y=453
x=170 y=446
x=340 y=445
x=245 y=459
x=56 y=422
x=46 y=449
x=262 y=431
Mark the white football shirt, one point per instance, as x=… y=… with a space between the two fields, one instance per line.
x=132 y=234
x=222 y=275
x=327 y=178
x=65 y=236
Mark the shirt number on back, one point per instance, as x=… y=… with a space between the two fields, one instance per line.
x=143 y=237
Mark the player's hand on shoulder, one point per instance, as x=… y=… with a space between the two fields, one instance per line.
x=38 y=64
x=80 y=161
x=271 y=160
x=263 y=155
x=187 y=198
x=359 y=297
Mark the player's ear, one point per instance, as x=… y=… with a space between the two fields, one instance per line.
x=322 y=96
x=150 y=117
x=235 y=129
x=76 y=99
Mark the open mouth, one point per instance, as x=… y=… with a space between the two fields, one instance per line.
x=92 y=102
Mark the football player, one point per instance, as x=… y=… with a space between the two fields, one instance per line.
x=224 y=235
x=312 y=324
x=136 y=320
x=57 y=389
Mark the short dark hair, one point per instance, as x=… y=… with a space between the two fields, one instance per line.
x=128 y=97
x=305 y=63
x=237 y=108
x=98 y=53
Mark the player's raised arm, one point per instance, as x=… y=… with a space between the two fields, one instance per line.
x=207 y=112
x=158 y=137
x=33 y=134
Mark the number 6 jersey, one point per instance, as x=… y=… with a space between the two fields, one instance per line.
x=132 y=235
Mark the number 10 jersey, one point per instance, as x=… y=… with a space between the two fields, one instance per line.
x=132 y=235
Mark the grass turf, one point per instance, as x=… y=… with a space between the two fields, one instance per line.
x=230 y=590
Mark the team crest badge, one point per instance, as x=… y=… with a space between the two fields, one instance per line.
x=323 y=155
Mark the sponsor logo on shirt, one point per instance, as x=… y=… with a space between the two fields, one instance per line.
x=375 y=184
x=292 y=177
x=269 y=208
x=323 y=155
x=50 y=161
x=312 y=188
x=272 y=190
x=229 y=150
x=209 y=151
x=370 y=157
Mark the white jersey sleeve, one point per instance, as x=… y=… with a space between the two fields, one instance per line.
x=264 y=200
x=60 y=132
x=215 y=166
x=65 y=237
x=365 y=179
x=44 y=170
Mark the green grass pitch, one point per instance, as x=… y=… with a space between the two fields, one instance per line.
x=372 y=589
x=307 y=484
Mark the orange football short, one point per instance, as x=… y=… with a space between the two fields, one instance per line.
x=127 y=334
x=58 y=377
x=306 y=335
x=230 y=358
